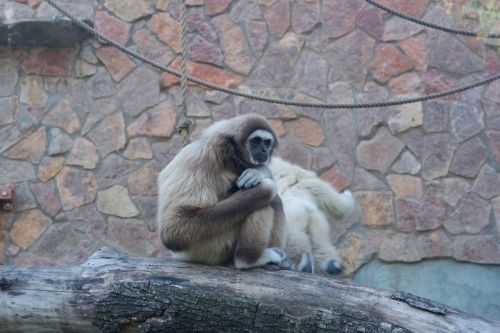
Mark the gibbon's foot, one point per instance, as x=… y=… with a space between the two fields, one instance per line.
x=332 y=267
x=306 y=263
x=272 y=255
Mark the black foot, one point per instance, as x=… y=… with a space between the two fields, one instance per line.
x=333 y=267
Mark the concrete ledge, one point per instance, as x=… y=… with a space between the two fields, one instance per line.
x=41 y=32
x=38 y=25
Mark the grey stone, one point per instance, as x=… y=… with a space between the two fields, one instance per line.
x=139 y=90
x=407 y=163
x=350 y=56
x=368 y=120
x=87 y=214
x=471 y=216
x=487 y=183
x=59 y=142
x=109 y=135
x=341 y=135
x=15 y=171
x=196 y=107
x=437 y=155
x=466 y=121
x=469 y=158
x=102 y=85
x=275 y=68
x=8 y=75
x=436 y=116
x=312 y=78
x=379 y=152
x=463 y=60
x=492 y=93
x=451 y=189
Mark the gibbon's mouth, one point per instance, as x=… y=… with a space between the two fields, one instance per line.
x=259 y=159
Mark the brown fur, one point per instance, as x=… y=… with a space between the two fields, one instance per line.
x=198 y=216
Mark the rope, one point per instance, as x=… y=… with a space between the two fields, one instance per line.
x=234 y=92
x=185 y=123
x=430 y=24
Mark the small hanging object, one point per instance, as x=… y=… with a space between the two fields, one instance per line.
x=7 y=197
x=184 y=128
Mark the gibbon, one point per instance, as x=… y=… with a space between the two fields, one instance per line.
x=307 y=200
x=216 y=200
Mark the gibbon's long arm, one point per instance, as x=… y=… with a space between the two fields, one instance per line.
x=193 y=224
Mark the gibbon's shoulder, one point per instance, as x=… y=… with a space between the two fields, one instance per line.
x=281 y=168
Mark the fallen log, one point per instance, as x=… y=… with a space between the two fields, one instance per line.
x=112 y=292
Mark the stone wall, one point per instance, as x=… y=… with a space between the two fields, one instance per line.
x=85 y=130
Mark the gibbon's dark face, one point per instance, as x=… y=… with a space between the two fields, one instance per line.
x=259 y=146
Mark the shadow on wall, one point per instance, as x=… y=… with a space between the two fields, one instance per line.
x=470 y=287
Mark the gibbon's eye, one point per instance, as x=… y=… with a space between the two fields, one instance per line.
x=267 y=142
x=256 y=141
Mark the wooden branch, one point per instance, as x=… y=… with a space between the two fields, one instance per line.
x=112 y=292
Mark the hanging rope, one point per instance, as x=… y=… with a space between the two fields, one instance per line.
x=432 y=25
x=234 y=92
x=185 y=123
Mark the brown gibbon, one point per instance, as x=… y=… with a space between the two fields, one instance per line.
x=217 y=202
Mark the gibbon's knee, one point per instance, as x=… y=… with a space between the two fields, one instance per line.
x=254 y=237
x=278 y=232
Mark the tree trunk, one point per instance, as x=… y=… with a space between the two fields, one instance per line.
x=112 y=292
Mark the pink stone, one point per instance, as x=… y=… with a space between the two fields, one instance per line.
x=339 y=16
x=76 y=187
x=306 y=131
x=112 y=27
x=400 y=247
x=376 y=207
x=116 y=62
x=167 y=29
x=143 y=181
x=46 y=195
x=371 y=22
x=389 y=62
x=305 y=15
x=48 y=62
x=84 y=154
x=380 y=152
x=159 y=122
x=278 y=18
x=214 y=7
x=482 y=249
x=335 y=177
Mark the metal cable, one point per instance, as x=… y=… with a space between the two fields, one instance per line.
x=432 y=25
x=209 y=85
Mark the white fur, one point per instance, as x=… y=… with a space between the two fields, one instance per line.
x=307 y=201
x=269 y=256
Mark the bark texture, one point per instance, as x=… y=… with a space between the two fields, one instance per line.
x=112 y=292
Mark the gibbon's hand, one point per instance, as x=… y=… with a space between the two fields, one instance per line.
x=248 y=179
